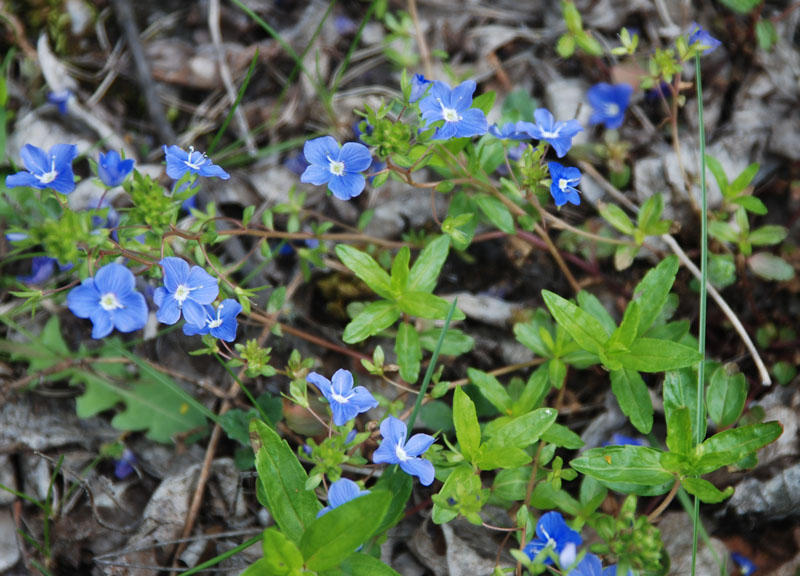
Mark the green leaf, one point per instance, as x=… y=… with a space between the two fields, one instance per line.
x=730 y=446
x=366 y=269
x=590 y=303
x=726 y=395
x=722 y=231
x=426 y=269
x=751 y=204
x=587 y=331
x=396 y=482
x=562 y=437
x=679 y=391
x=741 y=6
x=408 y=351
x=529 y=335
x=485 y=101
x=334 y=536
x=651 y=355
x=283 y=481
x=625 y=334
x=679 y=431
x=650 y=212
x=743 y=180
x=455 y=341
x=511 y=484
x=770 y=267
x=653 y=291
x=546 y=497
x=536 y=388
x=629 y=469
x=247 y=215
x=424 y=305
x=719 y=175
x=705 y=490
x=497 y=213
x=766 y=34
x=468 y=431
x=374 y=318
x=768 y=235
x=557 y=372
x=494 y=455
x=525 y=430
x=491 y=389
x=615 y=216
x=565 y=47
x=281 y=555
x=359 y=564
x=400 y=271
x=633 y=398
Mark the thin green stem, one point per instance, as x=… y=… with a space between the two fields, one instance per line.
x=701 y=413
x=238 y=101
x=429 y=372
x=244 y=389
x=224 y=556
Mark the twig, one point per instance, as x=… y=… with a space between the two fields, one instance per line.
x=422 y=44
x=225 y=74
x=665 y=502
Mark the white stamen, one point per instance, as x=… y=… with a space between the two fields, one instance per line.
x=215 y=323
x=562 y=184
x=336 y=167
x=611 y=109
x=109 y=302
x=546 y=134
x=341 y=399
x=449 y=114
x=201 y=159
x=48 y=177
x=400 y=453
x=182 y=293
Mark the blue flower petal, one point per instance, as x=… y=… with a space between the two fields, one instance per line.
x=385 y=454
x=346 y=186
x=342 y=491
x=194 y=312
x=342 y=382
x=101 y=323
x=193 y=330
x=22 y=179
x=83 y=300
x=394 y=430
x=35 y=159
x=472 y=123
x=204 y=287
x=211 y=170
x=461 y=97
x=169 y=311
x=363 y=399
x=544 y=118
x=356 y=157
x=114 y=278
x=342 y=413
x=322 y=383
x=316 y=174
x=421 y=468
x=133 y=315
x=418 y=444
x=63 y=154
x=321 y=151
x=176 y=272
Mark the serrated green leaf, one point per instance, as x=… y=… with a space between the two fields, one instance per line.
x=497 y=213
x=491 y=389
x=331 y=538
x=468 y=431
x=534 y=393
x=744 y=179
x=651 y=355
x=366 y=269
x=374 y=318
x=705 y=490
x=494 y=455
x=511 y=484
x=426 y=269
x=722 y=231
x=557 y=372
x=633 y=398
x=282 y=480
x=408 y=351
x=766 y=34
x=726 y=395
x=587 y=330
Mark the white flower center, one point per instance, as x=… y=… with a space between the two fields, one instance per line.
x=216 y=322
x=554 y=134
x=109 y=302
x=336 y=167
x=182 y=293
x=48 y=177
x=568 y=555
x=201 y=159
x=562 y=184
x=341 y=399
x=400 y=453
x=611 y=109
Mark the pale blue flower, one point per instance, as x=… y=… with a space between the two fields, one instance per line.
x=51 y=169
x=110 y=301
x=509 y=131
x=453 y=107
x=395 y=450
x=185 y=290
x=558 y=134
x=220 y=323
x=419 y=86
x=61 y=99
x=339 y=168
x=705 y=41
x=552 y=532
x=346 y=402
x=341 y=492
x=180 y=162
x=564 y=181
x=609 y=102
x=112 y=169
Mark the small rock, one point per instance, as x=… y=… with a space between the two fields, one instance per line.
x=9 y=550
x=676 y=533
x=563 y=97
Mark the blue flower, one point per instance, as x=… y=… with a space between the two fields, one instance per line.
x=346 y=402
x=124 y=466
x=180 y=162
x=746 y=566
x=453 y=106
x=112 y=169
x=341 y=492
x=42 y=267
x=622 y=440
x=46 y=170
x=184 y=290
x=220 y=323
x=564 y=180
x=612 y=571
x=339 y=168
x=110 y=301
x=558 y=134
x=705 y=41
x=552 y=532
x=609 y=102
x=395 y=450
x=509 y=131
x=60 y=99
x=589 y=566
x=419 y=86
